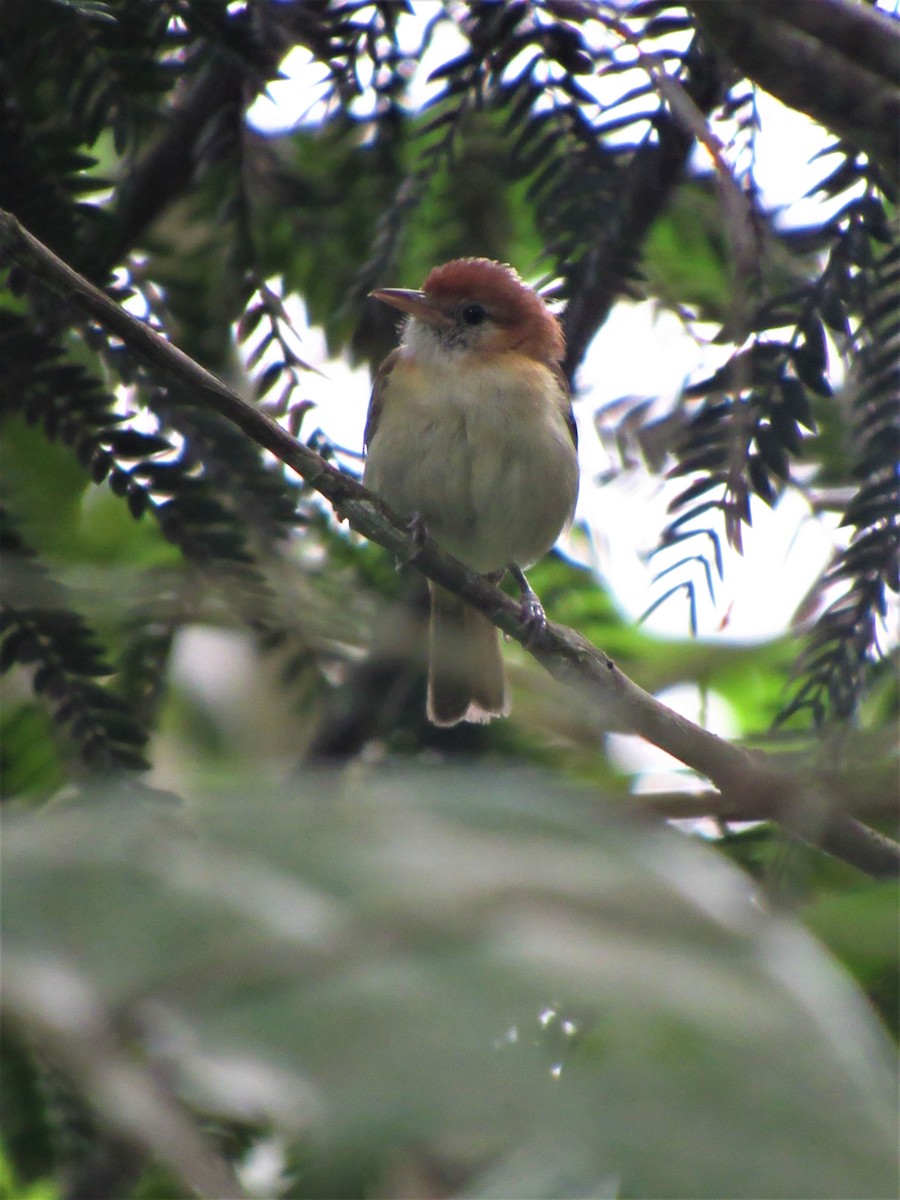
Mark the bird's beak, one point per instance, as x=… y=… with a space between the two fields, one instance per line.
x=416 y=304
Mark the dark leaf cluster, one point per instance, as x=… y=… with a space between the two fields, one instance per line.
x=846 y=638
x=41 y=630
x=514 y=106
x=67 y=75
x=199 y=479
x=170 y=83
x=597 y=174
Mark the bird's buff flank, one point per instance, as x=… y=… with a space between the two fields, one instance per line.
x=470 y=431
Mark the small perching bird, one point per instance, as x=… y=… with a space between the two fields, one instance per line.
x=470 y=432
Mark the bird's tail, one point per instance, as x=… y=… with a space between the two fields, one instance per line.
x=466 y=680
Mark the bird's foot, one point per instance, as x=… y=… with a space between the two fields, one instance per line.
x=533 y=618
x=417 y=530
x=416 y=533
x=532 y=611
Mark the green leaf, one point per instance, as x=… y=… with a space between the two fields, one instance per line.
x=862 y=929
x=481 y=965
x=685 y=256
x=44 y=486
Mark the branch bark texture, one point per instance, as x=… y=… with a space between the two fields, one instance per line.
x=836 y=60
x=749 y=782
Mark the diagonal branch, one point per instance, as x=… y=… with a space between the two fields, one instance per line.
x=837 y=61
x=749 y=782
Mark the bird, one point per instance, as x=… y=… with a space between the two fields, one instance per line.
x=470 y=436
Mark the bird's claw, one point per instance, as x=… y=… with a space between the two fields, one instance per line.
x=532 y=613
x=416 y=533
x=417 y=530
x=533 y=617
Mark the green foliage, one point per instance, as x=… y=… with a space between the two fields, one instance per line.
x=453 y=971
x=685 y=257
x=31 y=766
x=862 y=927
x=49 y=486
x=340 y=966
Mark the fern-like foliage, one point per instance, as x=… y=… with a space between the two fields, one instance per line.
x=518 y=103
x=171 y=86
x=212 y=497
x=755 y=416
x=598 y=172
x=69 y=72
x=570 y=105
x=42 y=631
x=847 y=636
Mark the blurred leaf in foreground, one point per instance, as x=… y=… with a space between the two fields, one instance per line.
x=484 y=970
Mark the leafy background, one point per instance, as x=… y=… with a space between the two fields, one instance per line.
x=264 y=928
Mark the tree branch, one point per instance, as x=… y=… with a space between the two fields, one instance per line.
x=750 y=782
x=168 y=168
x=57 y=1010
x=838 y=62
x=221 y=90
x=647 y=183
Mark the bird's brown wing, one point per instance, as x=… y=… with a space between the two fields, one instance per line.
x=566 y=397
x=377 y=401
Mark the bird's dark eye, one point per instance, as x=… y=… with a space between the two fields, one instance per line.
x=474 y=314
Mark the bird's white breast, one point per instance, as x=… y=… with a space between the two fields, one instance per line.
x=480 y=448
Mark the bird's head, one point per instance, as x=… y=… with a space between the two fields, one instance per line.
x=478 y=306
